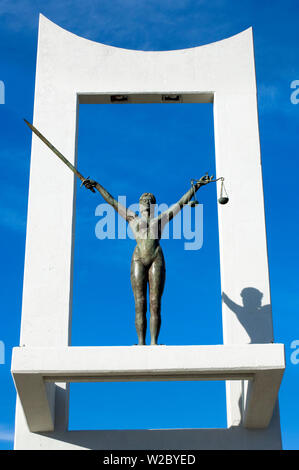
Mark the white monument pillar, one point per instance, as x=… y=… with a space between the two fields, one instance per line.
x=72 y=70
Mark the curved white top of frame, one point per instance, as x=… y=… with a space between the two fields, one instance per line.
x=226 y=65
x=44 y=20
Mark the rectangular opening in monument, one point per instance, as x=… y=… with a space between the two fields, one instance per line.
x=130 y=150
x=147 y=405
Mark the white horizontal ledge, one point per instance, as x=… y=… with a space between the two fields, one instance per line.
x=36 y=369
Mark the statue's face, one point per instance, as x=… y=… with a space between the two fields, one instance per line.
x=147 y=204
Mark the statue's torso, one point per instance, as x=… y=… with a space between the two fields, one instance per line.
x=146 y=232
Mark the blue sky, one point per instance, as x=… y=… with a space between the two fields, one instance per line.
x=152 y=25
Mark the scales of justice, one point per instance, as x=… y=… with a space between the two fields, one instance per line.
x=72 y=71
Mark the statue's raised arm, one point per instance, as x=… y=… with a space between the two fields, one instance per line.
x=127 y=214
x=173 y=210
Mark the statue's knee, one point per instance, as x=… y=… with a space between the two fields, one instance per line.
x=155 y=305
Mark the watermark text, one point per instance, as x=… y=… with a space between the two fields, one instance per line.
x=187 y=224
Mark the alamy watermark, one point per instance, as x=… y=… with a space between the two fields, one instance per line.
x=295 y=354
x=187 y=224
x=2 y=92
x=295 y=94
x=2 y=352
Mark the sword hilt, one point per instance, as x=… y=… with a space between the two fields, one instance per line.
x=88 y=185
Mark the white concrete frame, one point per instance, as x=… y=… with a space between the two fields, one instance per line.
x=72 y=70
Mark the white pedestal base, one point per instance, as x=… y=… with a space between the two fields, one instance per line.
x=36 y=370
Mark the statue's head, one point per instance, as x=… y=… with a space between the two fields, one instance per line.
x=147 y=203
x=252 y=298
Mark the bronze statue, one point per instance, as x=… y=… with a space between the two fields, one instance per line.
x=147 y=265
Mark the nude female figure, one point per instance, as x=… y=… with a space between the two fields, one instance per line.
x=147 y=265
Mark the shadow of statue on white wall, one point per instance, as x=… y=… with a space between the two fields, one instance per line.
x=254 y=317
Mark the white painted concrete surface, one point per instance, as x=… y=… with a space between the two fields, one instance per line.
x=34 y=369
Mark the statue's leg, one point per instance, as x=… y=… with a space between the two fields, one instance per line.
x=139 y=277
x=156 y=286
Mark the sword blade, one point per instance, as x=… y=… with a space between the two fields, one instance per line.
x=54 y=149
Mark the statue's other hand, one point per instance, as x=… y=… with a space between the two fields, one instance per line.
x=206 y=179
x=89 y=184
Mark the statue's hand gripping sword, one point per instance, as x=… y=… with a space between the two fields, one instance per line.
x=89 y=184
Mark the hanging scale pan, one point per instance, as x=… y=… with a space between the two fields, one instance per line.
x=223 y=198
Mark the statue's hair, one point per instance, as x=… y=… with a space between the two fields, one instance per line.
x=153 y=199
x=251 y=291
